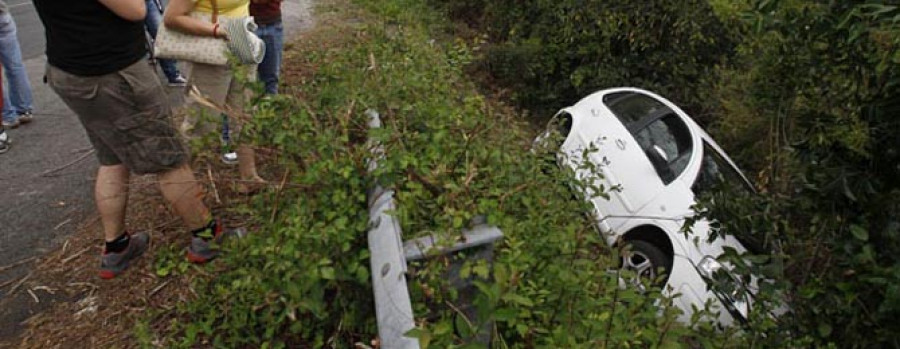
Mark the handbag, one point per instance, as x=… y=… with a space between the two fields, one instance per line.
x=173 y=44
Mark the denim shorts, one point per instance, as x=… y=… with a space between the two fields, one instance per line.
x=126 y=115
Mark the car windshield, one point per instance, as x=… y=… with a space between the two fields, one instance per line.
x=717 y=174
x=715 y=171
x=631 y=107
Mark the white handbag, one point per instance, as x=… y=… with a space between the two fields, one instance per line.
x=173 y=44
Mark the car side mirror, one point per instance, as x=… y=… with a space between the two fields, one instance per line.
x=661 y=163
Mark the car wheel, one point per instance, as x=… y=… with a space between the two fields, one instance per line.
x=650 y=265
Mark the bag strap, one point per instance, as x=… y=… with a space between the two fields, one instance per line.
x=215 y=11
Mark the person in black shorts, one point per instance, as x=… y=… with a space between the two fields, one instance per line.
x=95 y=53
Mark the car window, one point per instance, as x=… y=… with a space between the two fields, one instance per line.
x=715 y=171
x=670 y=135
x=632 y=107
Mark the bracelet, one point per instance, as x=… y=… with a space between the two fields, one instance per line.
x=216 y=30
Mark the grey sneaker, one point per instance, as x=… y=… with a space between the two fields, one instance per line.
x=11 y=124
x=26 y=117
x=4 y=141
x=113 y=264
x=201 y=251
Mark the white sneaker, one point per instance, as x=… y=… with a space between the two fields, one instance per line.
x=4 y=141
x=230 y=158
x=178 y=81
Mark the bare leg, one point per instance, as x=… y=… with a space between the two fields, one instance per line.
x=180 y=188
x=247 y=164
x=111 y=194
x=250 y=180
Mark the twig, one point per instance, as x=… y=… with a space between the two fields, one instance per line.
x=82 y=157
x=47 y=289
x=62 y=224
x=36 y=299
x=70 y=258
x=158 y=288
x=212 y=183
x=435 y=190
x=17 y=285
x=16 y=264
x=278 y=195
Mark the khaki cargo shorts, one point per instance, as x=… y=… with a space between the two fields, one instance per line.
x=126 y=115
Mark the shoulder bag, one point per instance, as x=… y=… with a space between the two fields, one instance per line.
x=173 y=44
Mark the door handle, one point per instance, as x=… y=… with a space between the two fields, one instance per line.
x=620 y=143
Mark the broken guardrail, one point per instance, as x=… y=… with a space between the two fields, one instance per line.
x=389 y=255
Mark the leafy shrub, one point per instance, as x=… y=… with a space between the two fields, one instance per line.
x=550 y=53
x=302 y=278
x=812 y=102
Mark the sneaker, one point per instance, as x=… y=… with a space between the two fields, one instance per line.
x=4 y=141
x=178 y=81
x=11 y=124
x=112 y=264
x=25 y=117
x=230 y=158
x=201 y=250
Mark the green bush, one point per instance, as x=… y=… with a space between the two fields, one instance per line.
x=551 y=53
x=302 y=279
x=811 y=104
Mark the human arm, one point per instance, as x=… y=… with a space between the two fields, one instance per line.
x=132 y=10
x=178 y=17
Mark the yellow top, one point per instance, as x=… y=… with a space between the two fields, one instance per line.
x=227 y=8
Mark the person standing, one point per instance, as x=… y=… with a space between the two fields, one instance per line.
x=217 y=82
x=267 y=15
x=152 y=22
x=96 y=64
x=4 y=138
x=18 y=107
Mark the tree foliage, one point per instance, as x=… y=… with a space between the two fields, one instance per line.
x=551 y=53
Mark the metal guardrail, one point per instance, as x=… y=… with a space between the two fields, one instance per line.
x=389 y=255
x=393 y=308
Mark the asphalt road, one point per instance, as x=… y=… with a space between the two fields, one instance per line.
x=31 y=32
x=46 y=179
x=41 y=198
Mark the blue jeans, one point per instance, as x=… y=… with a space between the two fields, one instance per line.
x=273 y=35
x=17 y=95
x=152 y=21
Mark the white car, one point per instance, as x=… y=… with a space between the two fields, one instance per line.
x=657 y=160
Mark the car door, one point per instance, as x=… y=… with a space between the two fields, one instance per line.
x=647 y=131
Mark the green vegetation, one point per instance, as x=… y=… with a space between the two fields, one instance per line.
x=302 y=279
x=805 y=92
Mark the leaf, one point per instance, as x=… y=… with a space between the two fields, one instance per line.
x=423 y=335
x=514 y=298
x=859 y=232
x=327 y=273
x=824 y=330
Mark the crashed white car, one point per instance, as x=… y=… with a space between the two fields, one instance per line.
x=657 y=160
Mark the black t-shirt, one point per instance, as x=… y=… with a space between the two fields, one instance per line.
x=86 y=38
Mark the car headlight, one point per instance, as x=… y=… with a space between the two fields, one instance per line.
x=728 y=288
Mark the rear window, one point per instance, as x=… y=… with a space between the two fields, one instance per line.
x=631 y=107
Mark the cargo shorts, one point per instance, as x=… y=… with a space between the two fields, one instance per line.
x=126 y=115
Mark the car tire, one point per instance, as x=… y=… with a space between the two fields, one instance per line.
x=650 y=264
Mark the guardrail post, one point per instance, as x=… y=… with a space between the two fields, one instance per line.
x=389 y=255
x=393 y=307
